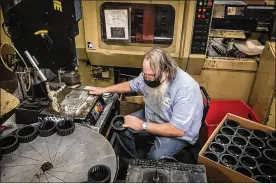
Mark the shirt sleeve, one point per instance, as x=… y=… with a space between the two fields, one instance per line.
x=183 y=109
x=137 y=83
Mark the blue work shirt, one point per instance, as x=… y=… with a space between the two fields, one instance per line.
x=182 y=106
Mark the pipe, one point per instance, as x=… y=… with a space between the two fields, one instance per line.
x=267 y=170
x=271 y=143
x=248 y=162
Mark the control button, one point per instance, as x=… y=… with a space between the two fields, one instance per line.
x=200 y=3
x=199 y=10
x=100 y=108
x=205 y=3
x=203 y=16
x=209 y=3
x=198 y=16
x=204 y=10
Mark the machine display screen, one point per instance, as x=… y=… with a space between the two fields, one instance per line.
x=137 y=23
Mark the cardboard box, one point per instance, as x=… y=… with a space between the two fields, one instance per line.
x=219 y=173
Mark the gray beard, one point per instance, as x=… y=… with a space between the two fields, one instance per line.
x=157 y=95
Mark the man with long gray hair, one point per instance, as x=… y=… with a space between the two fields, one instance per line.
x=173 y=105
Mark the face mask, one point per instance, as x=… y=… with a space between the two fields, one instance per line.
x=153 y=83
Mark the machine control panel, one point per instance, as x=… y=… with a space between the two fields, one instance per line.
x=97 y=110
x=203 y=15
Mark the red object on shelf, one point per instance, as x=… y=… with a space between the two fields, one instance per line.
x=209 y=3
x=218 y=110
x=204 y=10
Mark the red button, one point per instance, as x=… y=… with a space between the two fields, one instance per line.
x=100 y=108
x=203 y=16
x=209 y=3
x=199 y=10
x=204 y=10
x=198 y=16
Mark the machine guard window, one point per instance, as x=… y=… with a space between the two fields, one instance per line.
x=147 y=23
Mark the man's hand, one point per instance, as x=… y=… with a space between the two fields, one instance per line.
x=94 y=90
x=133 y=123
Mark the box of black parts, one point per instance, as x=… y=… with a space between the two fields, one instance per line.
x=240 y=150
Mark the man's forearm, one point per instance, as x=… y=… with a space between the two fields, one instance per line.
x=164 y=129
x=118 y=88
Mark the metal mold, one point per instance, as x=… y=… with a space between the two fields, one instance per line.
x=267 y=170
x=245 y=171
x=229 y=161
x=227 y=131
x=259 y=134
x=271 y=143
x=216 y=148
x=231 y=123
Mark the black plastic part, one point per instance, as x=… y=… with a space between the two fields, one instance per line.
x=271 y=143
x=216 y=148
x=0 y=155
x=212 y=156
x=27 y=134
x=227 y=131
x=270 y=155
x=47 y=128
x=272 y=135
x=239 y=141
x=245 y=171
x=248 y=162
x=259 y=134
x=65 y=127
x=99 y=174
x=257 y=143
x=222 y=139
x=117 y=123
x=263 y=179
x=231 y=123
x=9 y=144
x=252 y=152
x=267 y=170
x=234 y=150
x=243 y=132
x=229 y=161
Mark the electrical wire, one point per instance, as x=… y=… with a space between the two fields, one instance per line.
x=22 y=59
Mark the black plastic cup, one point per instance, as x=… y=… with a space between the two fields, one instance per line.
x=222 y=139
x=256 y=142
x=248 y=162
x=244 y=170
x=227 y=131
x=99 y=174
x=229 y=161
x=212 y=156
x=270 y=155
x=263 y=179
x=252 y=152
x=267 y=170
x=239 y=141
x=216 y=148
x=231 y=123
x=260 y=134
x=234 y=150
x=272 y=135
x=245 y=133
x=271 y=143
